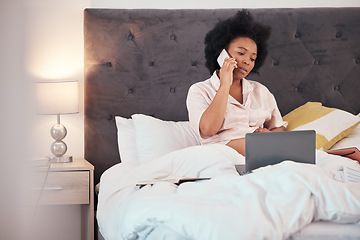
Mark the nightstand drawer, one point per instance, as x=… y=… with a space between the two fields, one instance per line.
x=66 y=188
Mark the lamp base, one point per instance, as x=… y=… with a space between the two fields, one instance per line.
x=62 y=159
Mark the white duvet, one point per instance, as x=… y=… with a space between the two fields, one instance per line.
x=274 y=202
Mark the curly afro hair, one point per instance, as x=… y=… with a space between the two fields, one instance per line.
x=240 y=25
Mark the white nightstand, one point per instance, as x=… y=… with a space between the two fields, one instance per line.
x=66 y=203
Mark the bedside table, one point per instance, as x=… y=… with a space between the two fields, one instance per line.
x=68 y=190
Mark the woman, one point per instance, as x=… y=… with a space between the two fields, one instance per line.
x=225 y=107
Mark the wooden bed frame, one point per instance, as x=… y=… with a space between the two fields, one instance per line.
x=144 y=61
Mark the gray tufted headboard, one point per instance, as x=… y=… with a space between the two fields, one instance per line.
x=144 y=61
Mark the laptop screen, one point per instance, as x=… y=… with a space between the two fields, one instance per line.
x=262 y=149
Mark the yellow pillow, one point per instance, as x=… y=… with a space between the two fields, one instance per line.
x=331 y=124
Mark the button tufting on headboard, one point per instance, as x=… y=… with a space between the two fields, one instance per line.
x=130 y=36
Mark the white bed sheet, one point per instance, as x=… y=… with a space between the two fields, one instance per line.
x=324 y=230
x=126 y=212
x=314 y=231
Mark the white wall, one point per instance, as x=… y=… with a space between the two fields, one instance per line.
x=54 y=51
x=54 y=47
x=11 y=114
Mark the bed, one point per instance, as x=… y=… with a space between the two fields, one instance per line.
x=139 y=65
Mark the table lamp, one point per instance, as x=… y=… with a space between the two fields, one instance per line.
x=56 y=98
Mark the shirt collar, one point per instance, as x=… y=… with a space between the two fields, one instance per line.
x=215 y=83
x=247 y=86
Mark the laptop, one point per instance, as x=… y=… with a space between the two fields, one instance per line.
x=262 y=149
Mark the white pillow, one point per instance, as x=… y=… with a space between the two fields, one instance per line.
x=351 y=140
x=155 y=137
x=126 y=139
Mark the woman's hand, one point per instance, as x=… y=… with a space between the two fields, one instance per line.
x=226 y=72
x=261 y=129
x=278 y=129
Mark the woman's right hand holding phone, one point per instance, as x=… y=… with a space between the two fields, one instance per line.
x=226 y=72
x=213 y=117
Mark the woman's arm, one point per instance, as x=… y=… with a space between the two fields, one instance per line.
x=275 y=120
x=277 y=129
x=213 y=117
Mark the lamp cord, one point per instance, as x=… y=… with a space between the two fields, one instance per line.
x=33 y=222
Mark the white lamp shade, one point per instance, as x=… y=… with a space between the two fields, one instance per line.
x=57 y=97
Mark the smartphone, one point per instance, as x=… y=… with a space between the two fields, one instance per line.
x=222 y=57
